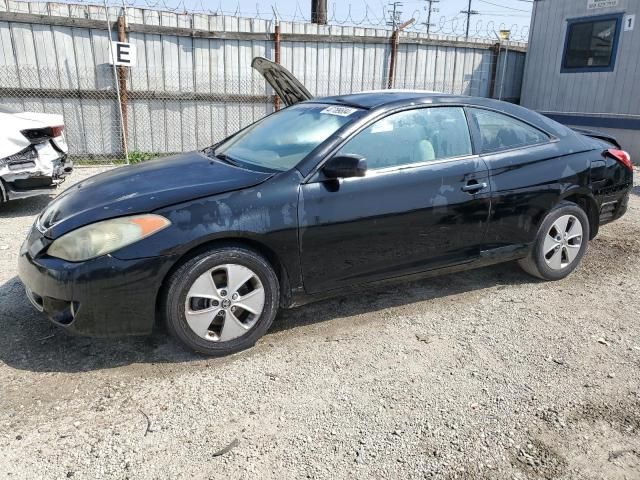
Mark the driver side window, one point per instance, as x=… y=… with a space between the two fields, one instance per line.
x=413 y=136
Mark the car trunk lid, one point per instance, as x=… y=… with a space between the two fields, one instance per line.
x=31 y=121
x=600 y=137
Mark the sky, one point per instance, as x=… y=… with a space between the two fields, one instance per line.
x=513 y=14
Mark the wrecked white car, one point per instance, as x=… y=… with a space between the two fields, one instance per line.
x=33 y=154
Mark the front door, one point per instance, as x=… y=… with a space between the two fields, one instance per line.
x=423 y=204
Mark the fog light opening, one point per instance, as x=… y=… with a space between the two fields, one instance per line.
x=74 y=307
x=35 y=299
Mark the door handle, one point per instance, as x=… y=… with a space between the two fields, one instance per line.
x=474 y=187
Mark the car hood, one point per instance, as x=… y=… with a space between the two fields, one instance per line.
x=283 y=82
x=143 y=188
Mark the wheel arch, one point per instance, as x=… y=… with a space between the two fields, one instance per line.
x=269 y=254
x=587 y=203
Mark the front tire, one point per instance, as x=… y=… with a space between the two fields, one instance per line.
x=560 y=243
x=222 y=300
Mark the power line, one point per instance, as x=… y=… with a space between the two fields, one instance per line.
x=504 y=6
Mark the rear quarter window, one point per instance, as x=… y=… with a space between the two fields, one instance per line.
x=501 y=132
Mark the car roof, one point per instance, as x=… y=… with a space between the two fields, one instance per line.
x=381 y=100
x=376 y=98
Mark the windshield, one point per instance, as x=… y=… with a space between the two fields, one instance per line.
x=280 y=141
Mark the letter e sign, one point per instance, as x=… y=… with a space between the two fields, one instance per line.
x=123 y=54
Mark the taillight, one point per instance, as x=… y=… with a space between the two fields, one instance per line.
x=621 y=156
x=39 y=135
x=57 y=130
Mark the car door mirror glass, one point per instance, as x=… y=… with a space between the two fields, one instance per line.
x=345 y=166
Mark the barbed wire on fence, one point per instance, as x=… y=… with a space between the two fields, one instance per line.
x=451 y=26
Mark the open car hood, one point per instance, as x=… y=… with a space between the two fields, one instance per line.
x=286 y=86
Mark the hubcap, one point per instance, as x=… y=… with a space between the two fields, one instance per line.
x=562 y=242
x=224 y=303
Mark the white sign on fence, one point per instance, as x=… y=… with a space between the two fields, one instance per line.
x=629 y=22
x=593 y=4
x=123 y=54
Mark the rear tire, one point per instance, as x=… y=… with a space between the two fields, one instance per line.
x=221 y=301
x=560 y=243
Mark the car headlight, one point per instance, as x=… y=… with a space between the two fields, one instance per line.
x=105 y=237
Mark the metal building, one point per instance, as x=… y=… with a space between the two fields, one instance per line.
x=583 y=66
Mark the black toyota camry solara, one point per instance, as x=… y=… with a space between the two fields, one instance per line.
x=321 y=197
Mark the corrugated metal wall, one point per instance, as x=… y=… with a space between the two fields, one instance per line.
x=605 y=101
x=546 y=89
x=193 y=83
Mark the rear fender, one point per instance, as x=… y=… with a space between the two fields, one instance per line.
x=584 y=198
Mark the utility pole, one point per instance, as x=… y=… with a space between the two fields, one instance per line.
x=468 y=12
x=430 y=9
x=395 y=15
x=319 y=11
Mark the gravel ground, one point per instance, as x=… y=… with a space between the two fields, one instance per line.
x=482 y=374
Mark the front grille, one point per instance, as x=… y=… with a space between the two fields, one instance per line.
x=24 y=159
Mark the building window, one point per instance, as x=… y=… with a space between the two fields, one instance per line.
x=591 y=44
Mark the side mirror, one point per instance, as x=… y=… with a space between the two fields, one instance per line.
x=345 y=166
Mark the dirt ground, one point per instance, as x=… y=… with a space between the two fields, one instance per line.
x=482 y=374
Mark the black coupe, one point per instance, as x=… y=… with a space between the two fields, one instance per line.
x=323 y=196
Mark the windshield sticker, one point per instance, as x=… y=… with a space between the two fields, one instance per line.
x=340 y=111
x=384 y=125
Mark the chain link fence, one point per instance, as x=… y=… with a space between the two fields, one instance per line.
x=162 y=115
x=186 y=93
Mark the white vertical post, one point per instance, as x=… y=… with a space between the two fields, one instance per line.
x=115 y=80
x=504 y=68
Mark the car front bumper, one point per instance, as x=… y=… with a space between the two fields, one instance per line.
x=105 y=296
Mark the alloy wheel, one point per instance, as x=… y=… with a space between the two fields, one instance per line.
x=562 y=242
x=224 y=303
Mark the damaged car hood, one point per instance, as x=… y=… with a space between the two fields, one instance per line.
x=143 y=188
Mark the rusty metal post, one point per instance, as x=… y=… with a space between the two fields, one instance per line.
x=392 y=59
x=122 y=83
x=276 y=41
x=395 y=38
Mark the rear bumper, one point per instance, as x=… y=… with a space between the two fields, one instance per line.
x=40 y=177
x=100 y=297
x=614 y=206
